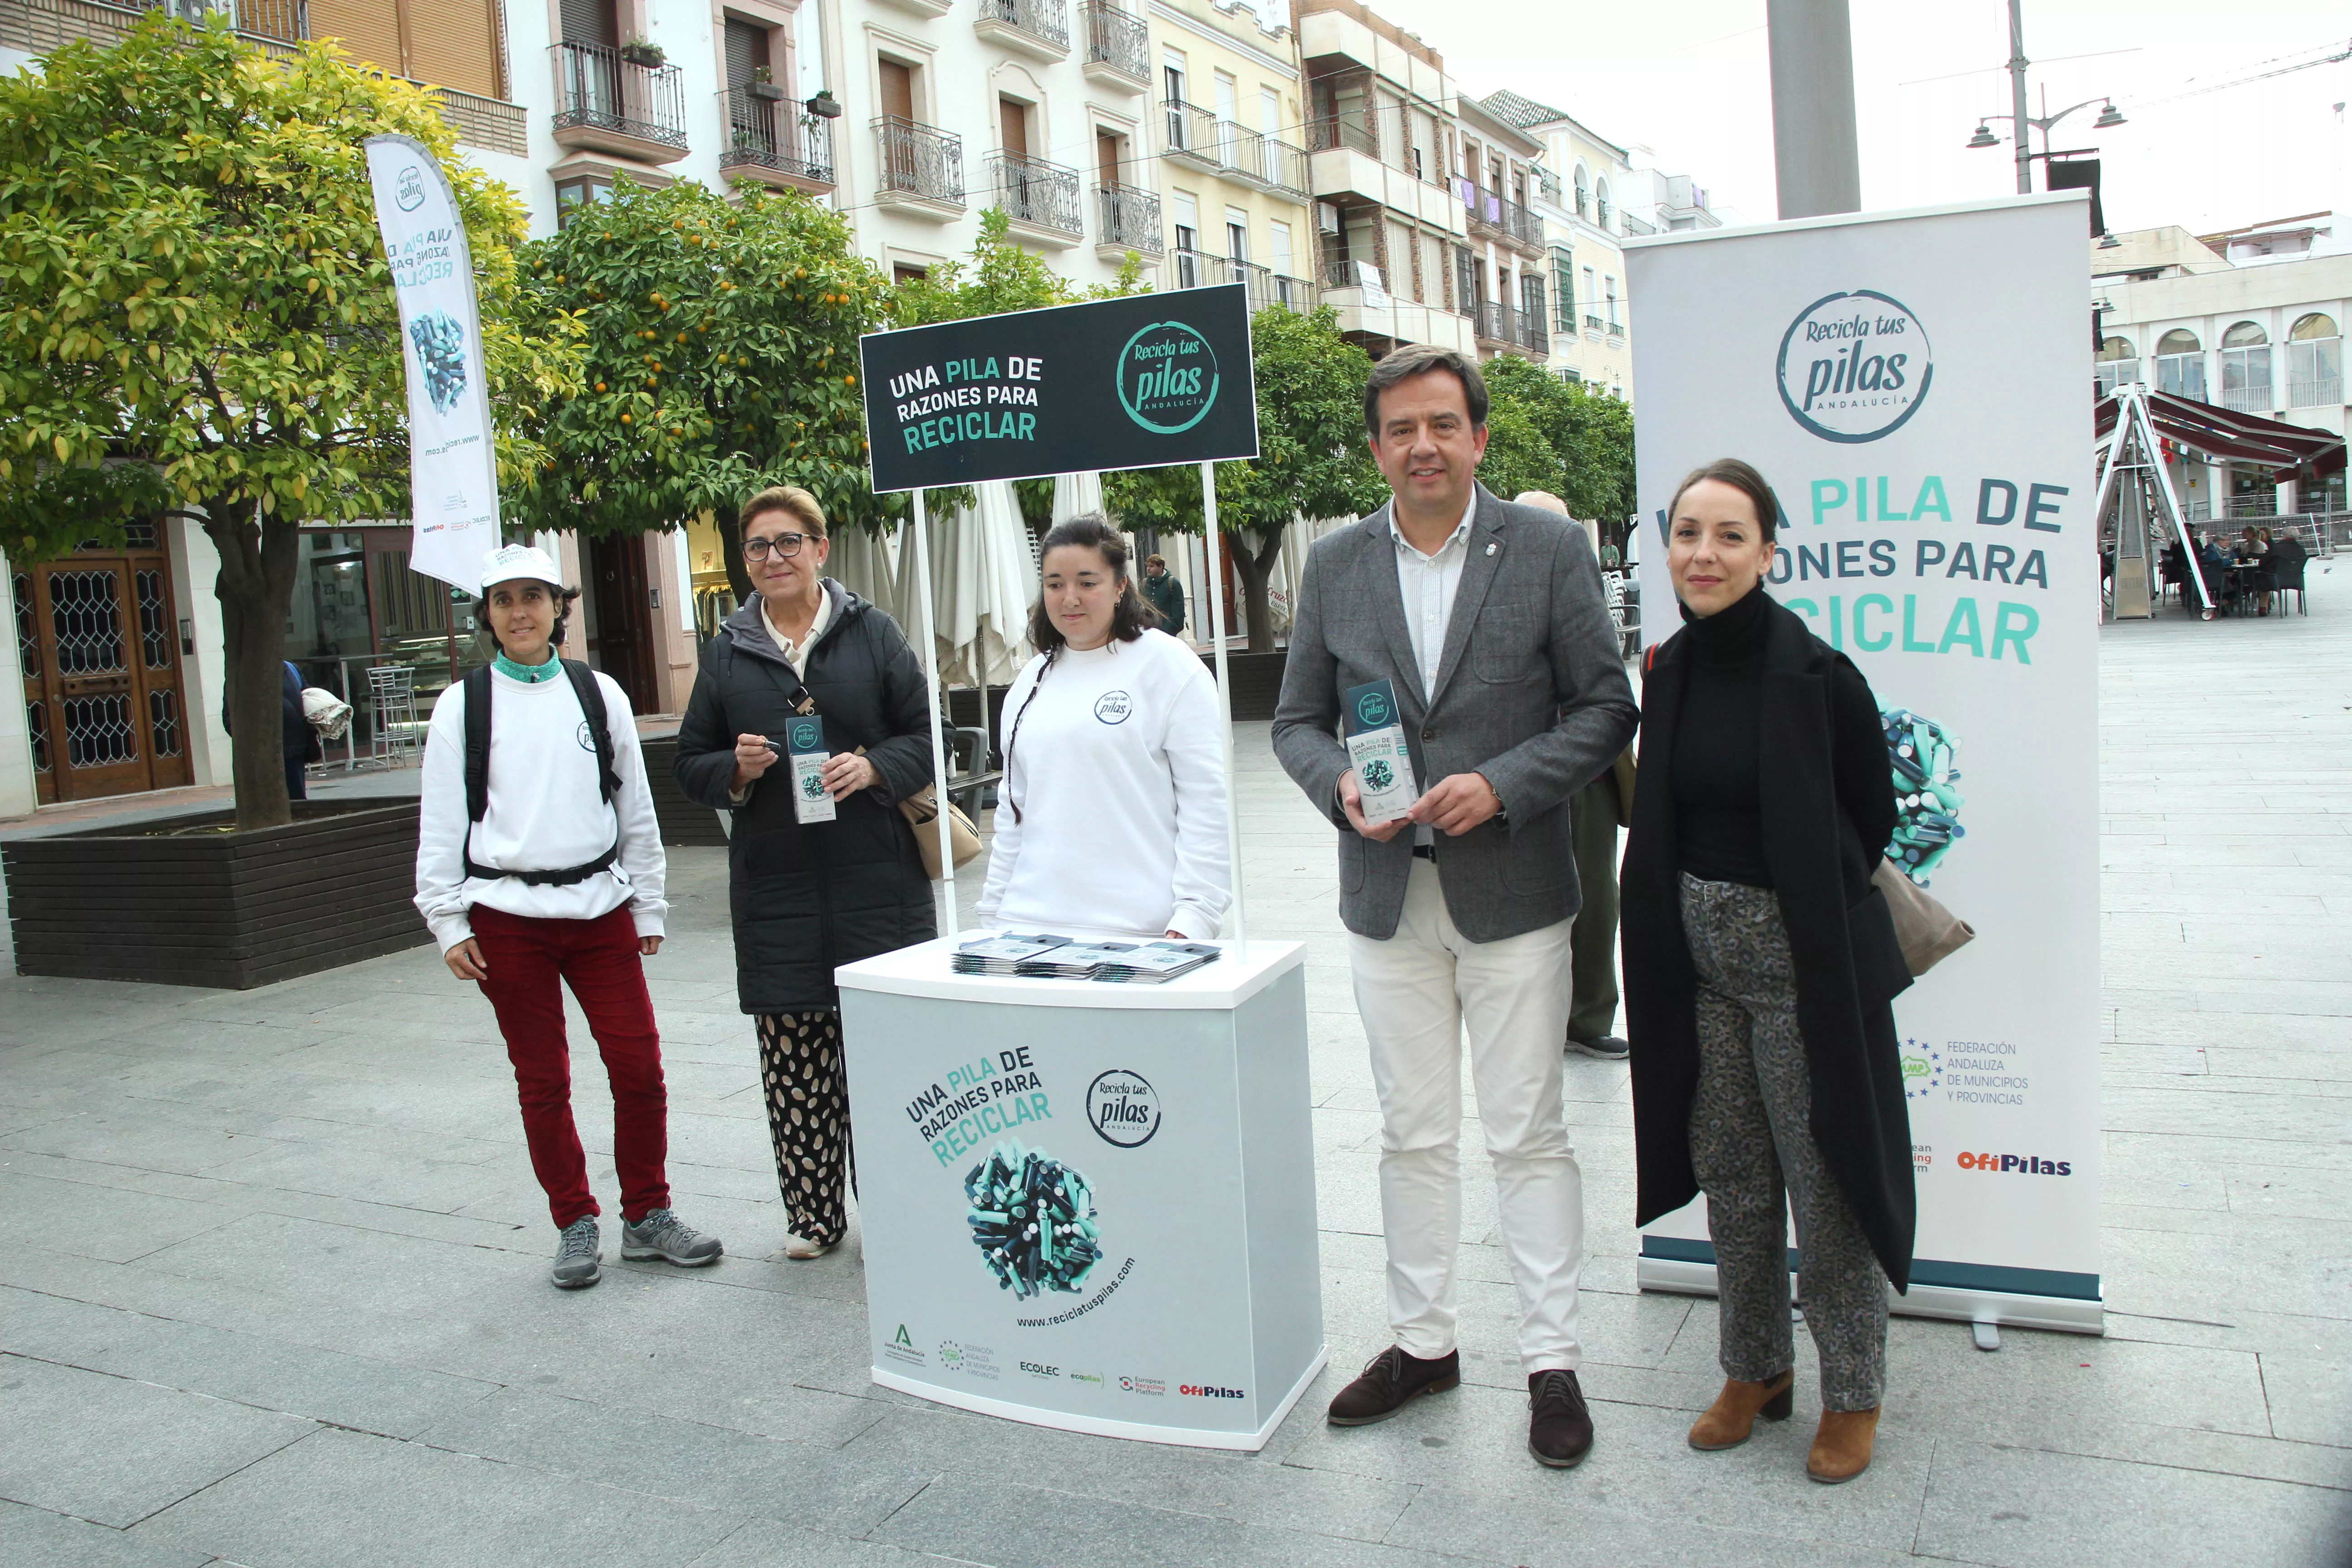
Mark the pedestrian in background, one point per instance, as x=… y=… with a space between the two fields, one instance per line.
x=1165 y=593
x=1113 y=816
x=297 y=742
x=806 y=897
x=538 y=865
x=1759 y=963
x=1489 y=622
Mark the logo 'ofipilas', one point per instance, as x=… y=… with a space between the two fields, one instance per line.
x=1855 y=366
x=1167 y=378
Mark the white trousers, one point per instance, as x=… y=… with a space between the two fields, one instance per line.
x=1417 y=991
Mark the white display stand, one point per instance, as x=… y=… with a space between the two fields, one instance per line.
x=1203 y=1321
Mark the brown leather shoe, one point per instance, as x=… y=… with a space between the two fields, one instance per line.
x=1841 y=1448
x=1391 y=1381
x=1727 y=1422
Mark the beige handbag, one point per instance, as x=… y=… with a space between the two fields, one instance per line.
x=920 y=808
x=1928 y=932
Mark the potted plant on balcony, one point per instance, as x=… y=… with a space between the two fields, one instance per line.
x=644 y=53
x=762 y=86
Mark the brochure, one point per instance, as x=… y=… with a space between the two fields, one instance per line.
x=806 y=753
x=1376 y=745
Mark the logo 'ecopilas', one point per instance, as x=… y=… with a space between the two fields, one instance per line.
x=1167 y=378
x=1855 y=366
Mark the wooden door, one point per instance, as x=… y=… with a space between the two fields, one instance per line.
x=897 y=90
x=1107 y=157
x=100 y=650
x=1012 y=116
x=626 y=629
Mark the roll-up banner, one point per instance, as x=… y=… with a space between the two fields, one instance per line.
x=453 y=467
x=1918 y=388
x=1138 y=382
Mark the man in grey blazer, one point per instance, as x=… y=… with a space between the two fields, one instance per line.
x=1491 y=621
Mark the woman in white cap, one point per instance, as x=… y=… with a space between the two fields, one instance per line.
x=538 y=865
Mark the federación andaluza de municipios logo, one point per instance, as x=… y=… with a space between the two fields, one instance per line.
x=1167 y=378
x=1855 y=366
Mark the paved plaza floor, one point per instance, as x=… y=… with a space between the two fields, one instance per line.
x=273 y=1269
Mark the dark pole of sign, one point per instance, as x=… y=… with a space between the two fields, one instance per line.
x=1814 y=158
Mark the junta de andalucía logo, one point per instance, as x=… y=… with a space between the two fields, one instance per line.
x=1167 y=378
x=1855 y=366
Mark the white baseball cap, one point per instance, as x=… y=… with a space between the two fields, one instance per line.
x=511 y=562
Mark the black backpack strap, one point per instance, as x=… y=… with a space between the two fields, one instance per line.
x=477 y=742
x=592 y=703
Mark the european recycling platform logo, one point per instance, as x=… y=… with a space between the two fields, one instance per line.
x=1855 y=366
x=1167 y=377
x=441 y=353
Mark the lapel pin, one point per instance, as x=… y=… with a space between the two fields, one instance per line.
x=1491 y=548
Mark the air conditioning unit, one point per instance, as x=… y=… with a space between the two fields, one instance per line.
x=1326 y=217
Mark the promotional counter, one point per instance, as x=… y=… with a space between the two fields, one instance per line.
x=1089 y=1206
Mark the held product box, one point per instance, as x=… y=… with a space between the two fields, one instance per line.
x=805 y=755
x=1089 y=1206
x=1376 y=745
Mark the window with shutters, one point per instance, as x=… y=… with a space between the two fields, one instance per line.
x=447 y=43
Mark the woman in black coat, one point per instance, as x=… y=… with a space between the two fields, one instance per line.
x=807 y=898
x=1759 y=963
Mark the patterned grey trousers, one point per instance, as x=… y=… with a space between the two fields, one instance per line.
x=806 y=1086
x=1750 y=1134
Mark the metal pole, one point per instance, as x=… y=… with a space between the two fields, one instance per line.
x=929 y=646
x=1216 y=594
x=1813 y=148
x=2019 y=123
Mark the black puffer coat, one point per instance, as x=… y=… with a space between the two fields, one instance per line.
x=805 y=899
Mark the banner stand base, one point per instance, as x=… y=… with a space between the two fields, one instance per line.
x=1962 y=1304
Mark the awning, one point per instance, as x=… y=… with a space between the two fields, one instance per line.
x=2292 y=451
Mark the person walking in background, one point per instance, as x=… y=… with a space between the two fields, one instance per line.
x=1113 y=817
x=538 y=865
x=297 y=742
x=1594 y=813
x=1489 y=622
x=1165 y=594
x=806 y=897
x=1759 y=966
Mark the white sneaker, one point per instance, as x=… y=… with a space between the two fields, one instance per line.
x=800 y=1248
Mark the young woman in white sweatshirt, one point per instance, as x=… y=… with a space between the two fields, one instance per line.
x=556 y=884
x=1112 y=817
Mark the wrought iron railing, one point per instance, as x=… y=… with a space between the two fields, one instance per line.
x=771 y=133
x=1534 y=336
x=1491 y=212
x=1043 y=19
x=1201 y=269
x=1116 y=39
x=1329 y=132
x=1497 y=322
x=2316 y=394
x=1031 y=191
x=597 y=88
x=1129 y=217
x=1191 y=132
x=920 y=160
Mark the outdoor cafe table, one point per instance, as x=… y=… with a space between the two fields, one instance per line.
x=1178 y=1113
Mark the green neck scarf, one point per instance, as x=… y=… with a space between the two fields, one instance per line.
x=529 y=673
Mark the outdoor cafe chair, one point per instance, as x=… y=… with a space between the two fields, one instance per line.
x=2286 y=574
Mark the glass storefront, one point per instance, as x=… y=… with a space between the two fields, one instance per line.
x=356 y=606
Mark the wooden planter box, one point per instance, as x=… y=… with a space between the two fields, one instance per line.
x=184 y=903
x=681 y=821
x=1257 y=681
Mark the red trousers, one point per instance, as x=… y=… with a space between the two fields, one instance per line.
x=528 y=961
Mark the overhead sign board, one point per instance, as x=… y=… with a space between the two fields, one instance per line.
x=1139 y=382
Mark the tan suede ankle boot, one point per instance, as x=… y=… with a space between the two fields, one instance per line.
x=1727 y=1422
x=1842 y=1447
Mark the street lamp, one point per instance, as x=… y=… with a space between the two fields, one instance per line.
x=2019 y=120
x=1984 y=136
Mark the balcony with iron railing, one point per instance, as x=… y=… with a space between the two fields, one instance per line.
x=1616 y=328
x=1119 y=46
x=2247 y=399
x=2317 y=394
x=921 y=169
x=1593 y=325
x=1494 y=216
x=774 y=140
x=1040 y=198
x=1130 y=220
x=1191 y=134
x=1497 y=324
x=610 y=105
x=1332 y=133
x=1534 y=336
x=1201 y=269
x=1038 y=29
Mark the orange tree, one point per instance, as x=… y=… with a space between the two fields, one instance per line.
x=721 y=357
x=196 y=318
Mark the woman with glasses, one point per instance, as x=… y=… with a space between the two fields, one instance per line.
x=808 y=895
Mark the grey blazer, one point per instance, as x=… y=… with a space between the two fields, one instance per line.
x=1531 y=692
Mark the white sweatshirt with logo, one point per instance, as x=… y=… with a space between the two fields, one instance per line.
x=545 y=812
x=1118 y=768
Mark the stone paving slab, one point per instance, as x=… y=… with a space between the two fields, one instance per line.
x=272 y=1268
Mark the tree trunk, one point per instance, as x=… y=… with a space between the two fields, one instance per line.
x=254 y=587
x=1256 y=569
x=731 y=546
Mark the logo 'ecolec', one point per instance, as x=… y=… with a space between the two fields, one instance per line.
x=1167 y=378
x=1855 y=366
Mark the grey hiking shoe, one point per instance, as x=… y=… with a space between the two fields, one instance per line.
x=579 y=1257
x=662 y=1234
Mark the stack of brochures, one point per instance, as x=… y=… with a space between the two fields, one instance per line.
x=1077 y=961
x=1156 y=962
x=999 y=955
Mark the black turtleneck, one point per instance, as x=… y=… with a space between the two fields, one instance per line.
x=1715 y=772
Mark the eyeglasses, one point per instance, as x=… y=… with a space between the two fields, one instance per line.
x=784 y=544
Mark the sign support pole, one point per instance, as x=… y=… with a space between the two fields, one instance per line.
x=930 y=650
x=1215 y=590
